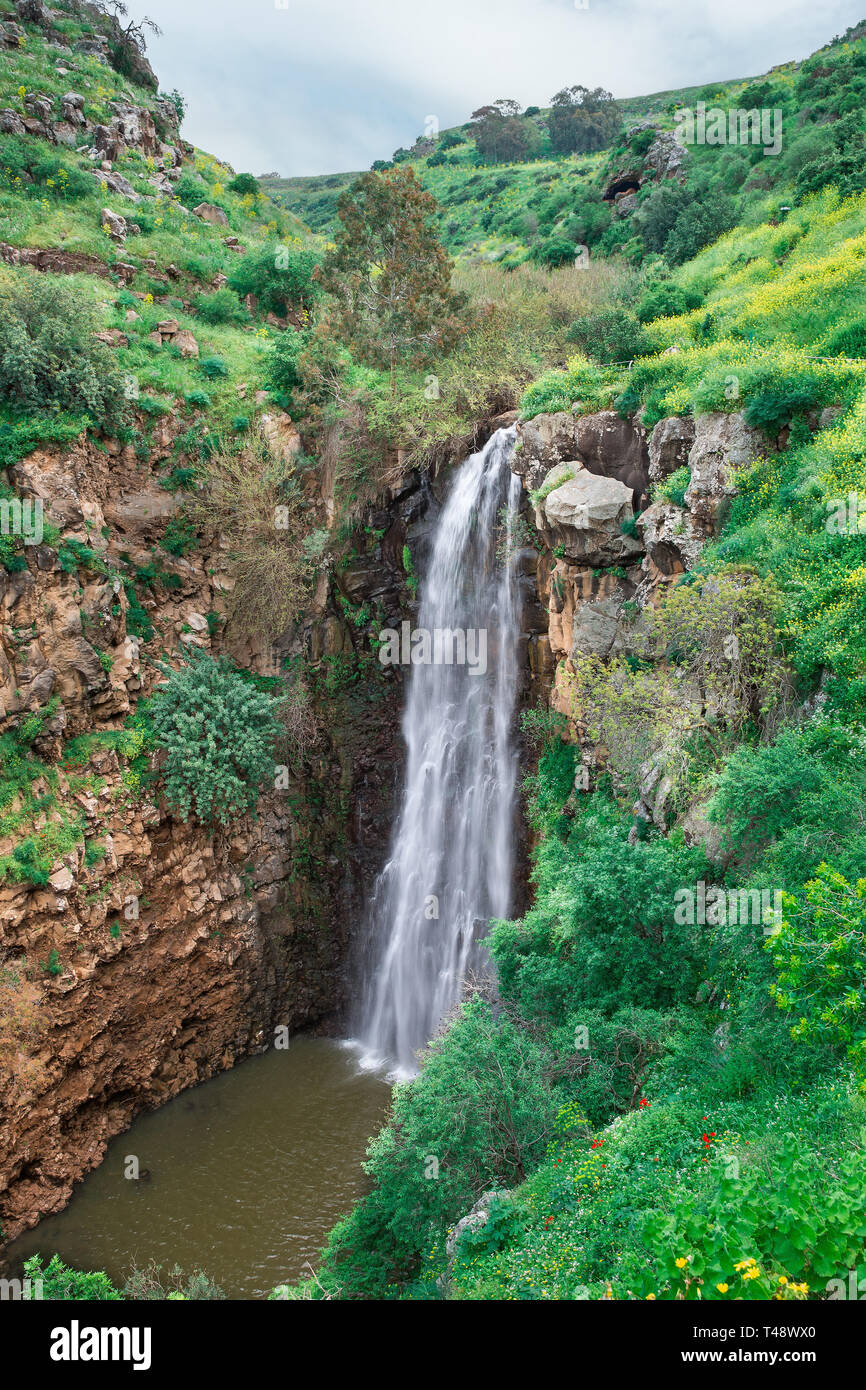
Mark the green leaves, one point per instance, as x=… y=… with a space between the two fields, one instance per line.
x=218 y=734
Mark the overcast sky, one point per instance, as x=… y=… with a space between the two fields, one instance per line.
x=322 y=86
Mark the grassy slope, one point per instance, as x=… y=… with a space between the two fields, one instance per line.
x=500 y=212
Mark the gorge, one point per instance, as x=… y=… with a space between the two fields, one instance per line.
x=415 y=586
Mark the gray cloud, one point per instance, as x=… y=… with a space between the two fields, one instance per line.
x=328 y=85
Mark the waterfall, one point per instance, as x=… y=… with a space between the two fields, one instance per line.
x=449 y=869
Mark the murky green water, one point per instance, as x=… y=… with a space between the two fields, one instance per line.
x=248 y=1173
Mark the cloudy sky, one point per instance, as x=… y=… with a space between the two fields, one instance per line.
x=322 y=86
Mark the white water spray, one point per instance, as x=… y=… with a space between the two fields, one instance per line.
x=450 y=865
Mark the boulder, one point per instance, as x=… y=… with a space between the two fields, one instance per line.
x=11 y=35
x=672 y=538
x=478 y=1216
x=280 y=435
x=11 y=123
x=667 y=157
x=117 y=184
x=585 y=516
x=597 y=629
x=113 y=223
x=615 y=448
x=545 y=441
x=209 y=212
x=185 y=343
x=73 y=108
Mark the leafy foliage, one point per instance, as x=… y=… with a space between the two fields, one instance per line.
x=217 y=733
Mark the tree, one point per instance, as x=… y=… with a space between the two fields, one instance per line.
x=245 y=183
x=388 y=274
x=499 y=133
x=279 y=276
x=581 y=120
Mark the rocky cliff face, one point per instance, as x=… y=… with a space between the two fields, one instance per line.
x=157 y=953
x=605 y=554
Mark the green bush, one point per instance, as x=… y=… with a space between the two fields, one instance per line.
x=213 y=368
x=666 y=299
x=217 y=733
x=609 y=335
x=278 y=276
x=244 y=184
x=555 y=251
x=62 y=1283
x=223 y=306
x=49 y=360
x=674 y=487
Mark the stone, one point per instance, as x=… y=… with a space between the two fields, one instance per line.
x=669 y=446
x=185 y=343
x=117 y=184
x=113 y=337
x=11 y=123
x=73 y=108
x=280 y=435
x=209 y=212
x=596 y=629
x=585 y=516
x=672 y=538
x=113 y=223
x=667 y=157
x=723 y=443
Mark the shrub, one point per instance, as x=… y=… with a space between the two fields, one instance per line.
x=674 y=487
x=213 y=368
x=848 y=341
x=666 y=299
x=217 y=733
x=62 y=1283
x=699 y=224
x=555 y=251
x=256 y=504
x=278 y=276
x=223 y=306
x=609 y=335
x=49 y=359
x=244 y=184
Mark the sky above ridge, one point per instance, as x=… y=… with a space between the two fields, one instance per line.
x=324 y=86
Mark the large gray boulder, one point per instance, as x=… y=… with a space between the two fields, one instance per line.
x=585 y=517
x=603 y=442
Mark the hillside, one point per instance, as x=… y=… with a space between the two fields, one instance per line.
x=505 y=211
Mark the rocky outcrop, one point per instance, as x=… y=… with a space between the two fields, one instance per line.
x=161 y=952
x=669 y=446
x=723 y=443
x=585 y=517
x=603 y=443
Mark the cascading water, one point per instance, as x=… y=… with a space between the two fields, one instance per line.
x=450 y=865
